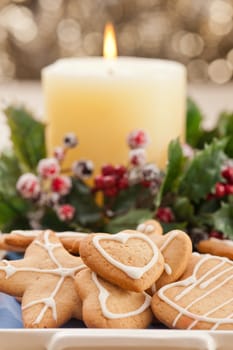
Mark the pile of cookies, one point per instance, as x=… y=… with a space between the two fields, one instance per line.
x=126 y=280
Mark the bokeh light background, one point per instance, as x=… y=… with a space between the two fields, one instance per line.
x=198 y=33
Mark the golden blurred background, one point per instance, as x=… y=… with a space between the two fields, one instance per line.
x=198 y=33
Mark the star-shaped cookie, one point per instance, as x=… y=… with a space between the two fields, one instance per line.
x=44 y=279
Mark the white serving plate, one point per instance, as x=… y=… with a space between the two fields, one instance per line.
x=113 y=339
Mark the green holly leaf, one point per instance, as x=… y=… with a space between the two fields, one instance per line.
x=173 y=171
x=173 y=226
x=28 y=137
x=87 y=211
x=223 y=219
x=203 y=172
x=135 y=196
x=194 y=119
x=12 y=206
x=225 y=128
x=183 y=209
x=129 y=220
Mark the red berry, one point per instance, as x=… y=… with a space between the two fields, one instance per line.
x=99 y=182
x=61 y=185
x=110 y=192
x=165 y=214
x=229 y=189
x=109 y=181
x=120 y=170
x=108 y=169
x=216 y=234
x=123 y=183
x=227 y=173
x=210 y=196
x=146 y=183
x=220 y=190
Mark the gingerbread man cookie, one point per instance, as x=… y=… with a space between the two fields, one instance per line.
x=202 y=299
x=150 y=228
x=128 y=259
x=22 y=238
x=8 y=247
x=44 y=279
x=220 y=247
x=108 y=306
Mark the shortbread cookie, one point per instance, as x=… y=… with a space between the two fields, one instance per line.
x=203 y=299
x=176 y=248
x=45 y=281
x=128 y=259
x=22 y=239
x=220 y=247
x=108 y=306
x=150 y=227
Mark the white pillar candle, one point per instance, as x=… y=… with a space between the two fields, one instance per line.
x=102 y=100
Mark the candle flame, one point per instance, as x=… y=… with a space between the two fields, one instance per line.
x=110 y=47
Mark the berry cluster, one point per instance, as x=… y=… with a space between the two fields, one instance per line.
x=225 y=188
x=49 y=187
x=114 y=179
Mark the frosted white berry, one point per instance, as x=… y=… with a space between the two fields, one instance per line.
x=137 y=157
x=70 y=140
x=65 y=212
x=48 y=167
x=28 y=186
x=59 y=153
x=83 y=168
x=137 y=139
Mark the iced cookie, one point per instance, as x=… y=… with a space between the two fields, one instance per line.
x=150 y=227
x=45 y=281
x=21 y=239
x=128 y=259
x=220 y=247
x=176 y=248
x=7 y=247
x=202 y=299
x=108 y=306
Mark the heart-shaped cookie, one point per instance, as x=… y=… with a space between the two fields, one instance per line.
x=176 y=248
x=108 y=306
x=203 y=299
x=128 y=259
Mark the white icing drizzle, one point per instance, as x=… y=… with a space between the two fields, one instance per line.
x=191 y=282
x=224 y=241
x=145 y=228
x=167 y=269
x=131 y=271
x=59 y=270
x=103 y=296
x=35 y=233
x=169 y=238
